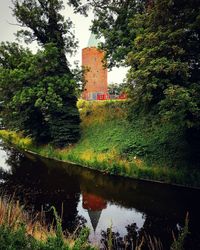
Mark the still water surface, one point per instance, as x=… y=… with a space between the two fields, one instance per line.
x=99 y=201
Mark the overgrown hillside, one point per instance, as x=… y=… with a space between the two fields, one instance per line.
x=106 y=129
x=110 y=143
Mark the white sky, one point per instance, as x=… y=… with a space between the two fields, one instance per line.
x=82 y=33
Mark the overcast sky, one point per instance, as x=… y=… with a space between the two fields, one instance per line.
x=82 y=33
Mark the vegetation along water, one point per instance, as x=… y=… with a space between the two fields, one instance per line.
x=86 y=197
x=153 y=135
x=112 y=144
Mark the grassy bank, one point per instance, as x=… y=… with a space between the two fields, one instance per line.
x=20 y=231
x=109 y=143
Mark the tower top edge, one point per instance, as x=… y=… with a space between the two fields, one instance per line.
x=93 y=41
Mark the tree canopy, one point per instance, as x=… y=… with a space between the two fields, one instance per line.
x=160 y=42
x=39 y=92
x=165 y=64
x=42 y=21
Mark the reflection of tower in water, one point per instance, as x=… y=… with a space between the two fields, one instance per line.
x=94 y=205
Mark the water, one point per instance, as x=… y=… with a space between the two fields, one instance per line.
x=100 y=201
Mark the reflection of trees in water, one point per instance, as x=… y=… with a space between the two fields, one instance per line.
x=129 y=241
x=39 y=187
x=150 y=236
x=161 y=228
x=14 y=157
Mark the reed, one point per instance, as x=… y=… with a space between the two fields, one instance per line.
x=12 y=215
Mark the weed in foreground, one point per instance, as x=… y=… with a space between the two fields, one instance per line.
x=19 y=231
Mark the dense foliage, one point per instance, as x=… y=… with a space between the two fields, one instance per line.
x=164 y=61
x=35 y=101
x=110 y=143
x=164 y=78
x=160 y=42
x=116 y=89
x=39 y=92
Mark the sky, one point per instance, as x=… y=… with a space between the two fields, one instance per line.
x=81 y=27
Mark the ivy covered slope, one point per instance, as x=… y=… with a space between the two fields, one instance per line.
x=140 y=148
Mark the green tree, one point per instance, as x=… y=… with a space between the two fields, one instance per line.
x=164 y=61
x=30 y=94
x=116 y=88
x=15 y=79
x=43 y=22
x=49 y=84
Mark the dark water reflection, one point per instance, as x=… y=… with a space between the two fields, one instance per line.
x=99 y=201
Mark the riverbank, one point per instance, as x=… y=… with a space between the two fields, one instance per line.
x=113 y=145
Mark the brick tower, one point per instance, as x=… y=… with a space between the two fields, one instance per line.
x=96 y=76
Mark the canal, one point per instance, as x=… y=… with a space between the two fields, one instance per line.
x=98 y=201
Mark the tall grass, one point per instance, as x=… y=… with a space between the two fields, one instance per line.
x=178 y=243
x=18 y=230
x=16 y=138
x=13 y=216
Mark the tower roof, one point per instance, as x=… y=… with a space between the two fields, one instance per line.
x=94 y=218
x=93 y=41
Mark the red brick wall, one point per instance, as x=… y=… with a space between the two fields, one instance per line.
x=96 y=77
